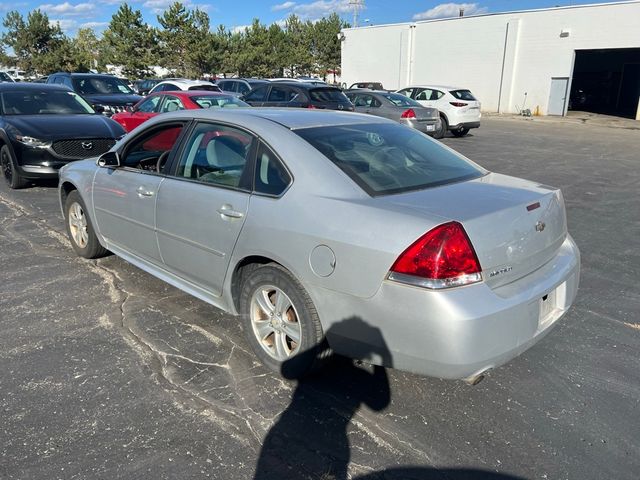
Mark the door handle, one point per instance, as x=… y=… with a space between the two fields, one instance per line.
x=143 y=192
x=228 y=211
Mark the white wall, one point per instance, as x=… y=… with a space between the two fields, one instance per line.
x=499 y=57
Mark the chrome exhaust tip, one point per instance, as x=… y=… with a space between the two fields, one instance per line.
x=476 y=378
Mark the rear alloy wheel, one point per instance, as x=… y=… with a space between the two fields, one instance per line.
x=460 y=132
x=79 y=228
x=9 y=170
x=444 y=126
x=281 y=322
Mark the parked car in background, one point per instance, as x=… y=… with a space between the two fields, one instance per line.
x=106 y=93
x=311 y=80
x=43 y=127
x=367 y=85
x=430 y=264
x=17 y=75
x=173 y=85
x=298 y=94
x=42 y=79
x=4 y=77
x=164 y=102
x=240 y=86
x=143 y=87
x=396 y=107
x=459 y=109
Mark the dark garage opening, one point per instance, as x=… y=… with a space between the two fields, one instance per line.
x=606 y=81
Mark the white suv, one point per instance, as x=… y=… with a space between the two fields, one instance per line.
x=459 y=109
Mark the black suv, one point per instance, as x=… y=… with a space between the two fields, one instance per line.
x=241 y=86
x=106 y=93
x=298 y=94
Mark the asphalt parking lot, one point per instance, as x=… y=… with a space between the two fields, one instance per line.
x=106 y=372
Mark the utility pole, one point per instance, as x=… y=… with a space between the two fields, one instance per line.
x=356 y=6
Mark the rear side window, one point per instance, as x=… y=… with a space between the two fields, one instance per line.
x=400 y=100
x=271 y=176
x=327 y=95
x=387 y=158
x=207 y=88
x=463 y=95
x=282 y=94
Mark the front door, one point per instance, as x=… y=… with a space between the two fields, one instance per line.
x=125 y=197
x=202 y=205
x=557 y=96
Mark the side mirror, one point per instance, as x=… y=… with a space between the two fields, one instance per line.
x=109 y=159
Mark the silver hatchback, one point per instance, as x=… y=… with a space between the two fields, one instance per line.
x=332 y=229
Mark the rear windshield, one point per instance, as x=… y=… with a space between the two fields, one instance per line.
x=328 y=95
x=400 y=100
x=462 y=94
x=387 y=158
x=218 y=101
x=206 y=88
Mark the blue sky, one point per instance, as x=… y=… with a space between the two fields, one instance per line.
x=73 y=14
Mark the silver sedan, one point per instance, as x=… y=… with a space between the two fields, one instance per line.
x=332 y=229
x=397 y=107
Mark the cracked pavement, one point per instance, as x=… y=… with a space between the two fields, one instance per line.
x=107 y=372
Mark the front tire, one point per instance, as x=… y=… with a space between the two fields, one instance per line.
x=281 y=323
x=9 y=169
x=80 y=229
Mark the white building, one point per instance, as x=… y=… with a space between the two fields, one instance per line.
x=587 y=56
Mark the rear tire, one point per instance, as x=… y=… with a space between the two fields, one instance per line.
x=460 y=132
x=9 y=169
x=281 y=323
x=80 y=229
x=444 y=126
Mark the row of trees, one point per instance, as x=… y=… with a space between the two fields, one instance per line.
x=183 y=43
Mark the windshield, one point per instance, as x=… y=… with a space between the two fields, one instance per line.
x=98 y=85
x=51 y=102
x=218 y=101
x=388 y=158
x=400 y=100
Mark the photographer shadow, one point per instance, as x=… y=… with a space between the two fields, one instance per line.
x=309 y=439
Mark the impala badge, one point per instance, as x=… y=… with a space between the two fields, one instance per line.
x=87 y=145
x=540 y=226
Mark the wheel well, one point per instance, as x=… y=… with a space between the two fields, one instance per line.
x=65 y=189
x=243 y=268
x=445 y=117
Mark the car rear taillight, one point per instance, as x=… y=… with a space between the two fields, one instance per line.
x=311 y=106
x=443 y=257
x=459 y=104
x=409 y=113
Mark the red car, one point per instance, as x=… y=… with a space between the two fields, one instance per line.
x=162 y=102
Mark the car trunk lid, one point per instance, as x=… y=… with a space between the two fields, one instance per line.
x=515 y=226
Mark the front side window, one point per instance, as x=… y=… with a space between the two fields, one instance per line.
x=50 y=102
x=151 y=149
x=171 y=104
x=150 y=105
x=217 y=154
x=386 y=158
x=170 y=87
x=328 y=95
x=281 y=94
x=218 y=101
x=408 y=92
x=271 y=176
x=425 y=95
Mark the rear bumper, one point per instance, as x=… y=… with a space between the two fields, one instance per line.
x=465 y=125
x=453 y=333
x=430 y=126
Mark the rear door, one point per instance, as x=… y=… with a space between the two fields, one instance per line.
x=281 y=96
x=202 y=205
